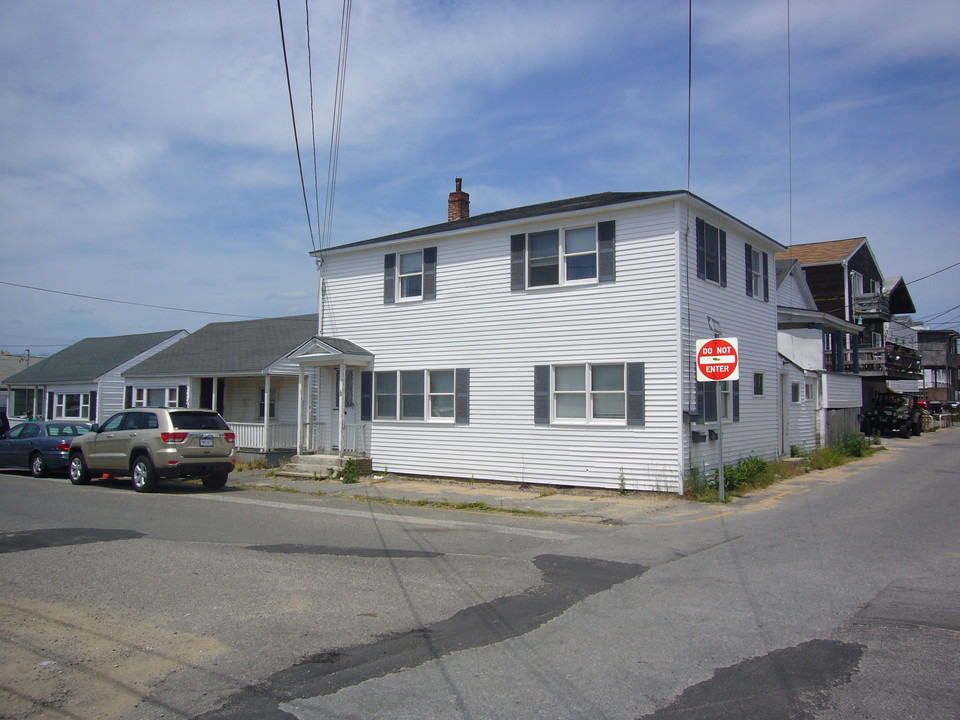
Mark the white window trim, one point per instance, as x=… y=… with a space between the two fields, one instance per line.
x=589 y=394
x=562 y=256
x=141 y=396
x=430 y=395
x=756 y=273
x=60 y=406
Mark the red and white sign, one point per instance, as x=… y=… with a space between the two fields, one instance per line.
x=717 y=359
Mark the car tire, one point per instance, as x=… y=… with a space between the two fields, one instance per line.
x=906 y=430
x=38 y=466
x=143 y=475
x=917 y=428
x=79 y=474
x=215 y=481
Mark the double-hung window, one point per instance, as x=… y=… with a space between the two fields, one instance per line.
x=757 y=273
x=410 y=275
x=430 y=395
x=263 y=402
x=442 y=393
x=563 y=256
x=711 y=253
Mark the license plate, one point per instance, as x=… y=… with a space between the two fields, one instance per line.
x=206 y=442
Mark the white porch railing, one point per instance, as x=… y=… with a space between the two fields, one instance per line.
x=283 y=436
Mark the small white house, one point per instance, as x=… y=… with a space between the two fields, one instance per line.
x=84 y=381
x=243 y=369
x=554 y=343
x=819 y=403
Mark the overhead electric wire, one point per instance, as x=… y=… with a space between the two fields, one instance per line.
x=128 y=302
x=934 y=273
x=333 y=160
x=313 y=125
x=293 y=118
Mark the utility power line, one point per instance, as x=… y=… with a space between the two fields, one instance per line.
x=128 y=302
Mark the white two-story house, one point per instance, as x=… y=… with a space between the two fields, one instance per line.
x=554 y=343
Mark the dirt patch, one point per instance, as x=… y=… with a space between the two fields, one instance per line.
x=57 y=661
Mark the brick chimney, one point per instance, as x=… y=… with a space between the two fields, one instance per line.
x=458 y=204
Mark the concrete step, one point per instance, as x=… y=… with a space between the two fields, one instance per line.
x=320 y=466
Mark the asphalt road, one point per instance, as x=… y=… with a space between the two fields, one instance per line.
x=836 y=595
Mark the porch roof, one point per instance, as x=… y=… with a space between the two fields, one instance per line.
x=246 y=347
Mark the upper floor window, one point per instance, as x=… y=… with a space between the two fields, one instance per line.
x=856 y=283
x=711 y=253
x=757 y=268
x=550 y=258
x=410 y=275
x=718 y=400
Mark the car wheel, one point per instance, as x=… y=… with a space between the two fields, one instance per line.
x=917 y=428
x=143 y=474
x=79 y=475
x=215 y=481
x=906 y=430
x=38 y=466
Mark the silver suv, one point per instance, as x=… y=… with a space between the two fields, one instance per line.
x=147 y=444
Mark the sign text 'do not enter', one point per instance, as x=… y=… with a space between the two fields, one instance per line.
x=717 y=359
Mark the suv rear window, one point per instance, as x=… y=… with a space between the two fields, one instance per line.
x=198 y=421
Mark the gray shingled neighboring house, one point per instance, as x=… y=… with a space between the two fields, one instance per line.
x=248 y=371
x=83 y=381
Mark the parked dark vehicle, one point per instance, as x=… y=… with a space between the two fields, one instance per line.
x=952 y=406
x=148 y=443
x=40 y=447
x=894 y=413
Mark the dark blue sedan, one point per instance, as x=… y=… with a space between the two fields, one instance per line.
x=39 y=446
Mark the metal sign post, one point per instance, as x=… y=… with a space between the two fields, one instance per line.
x=718 y=361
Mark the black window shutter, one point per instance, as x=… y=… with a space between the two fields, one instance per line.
x=723 y=258
x=128 y=396
x=93 y=406
x=735 y=395
x=221 y=394
x=461 y=400
x=635 y=393
x=518 y=264
x=50 y=397
x=366 y=396
x=748 y=267
x=389 y=275
x=541 y=394
x=766 y=279
x=701 y=251
x=430 y=273
x=181 y=396
x=607 y=251
x=701 y=402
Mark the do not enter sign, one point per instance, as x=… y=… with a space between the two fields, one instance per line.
x=717 y=359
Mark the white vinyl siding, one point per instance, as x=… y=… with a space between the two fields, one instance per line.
x=501 y=336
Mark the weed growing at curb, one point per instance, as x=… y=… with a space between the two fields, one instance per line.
x=754 y=473
x=442 y=504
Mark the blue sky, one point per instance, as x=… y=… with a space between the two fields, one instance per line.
x=147 y=155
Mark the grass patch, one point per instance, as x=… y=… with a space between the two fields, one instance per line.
x=753 y=473
x=443 y=505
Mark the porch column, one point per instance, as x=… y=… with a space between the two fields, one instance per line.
x=299 y=409
x=266 y=413
x=342 y=410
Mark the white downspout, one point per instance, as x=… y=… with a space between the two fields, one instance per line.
x=266 y=413
x=299 y=409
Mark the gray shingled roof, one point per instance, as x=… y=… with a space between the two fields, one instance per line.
x=89 y=359
x=527 y=211
x=233 y=348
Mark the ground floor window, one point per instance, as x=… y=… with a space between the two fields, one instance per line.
x=424 y=395
x=718 y=400
x=155 y=397
x=273 y=402
x=597 y=393
x=794 y=392
x=23 y=400
x=73 y=406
